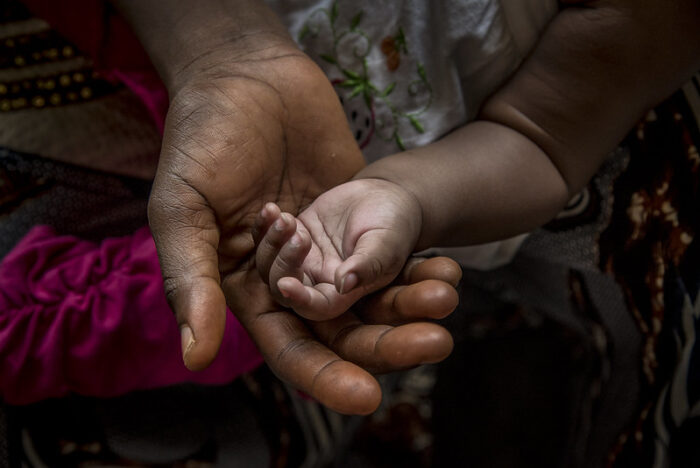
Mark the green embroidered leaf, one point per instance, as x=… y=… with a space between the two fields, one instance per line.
x=357 y=90
x=356 y=20
x=348 y=83
x=328 y=58
x=400 y=41
x=387 y=91
x=416 y=124
x=399 y=142
x=334 y=12
x=421 y=73
x=304 y=32
x=350 y=74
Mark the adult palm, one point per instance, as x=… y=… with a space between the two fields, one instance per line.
x=265 y=127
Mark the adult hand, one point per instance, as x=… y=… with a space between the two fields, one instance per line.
x=332 y=360
x=272 y=132
x=251 y=120
x=268 y=127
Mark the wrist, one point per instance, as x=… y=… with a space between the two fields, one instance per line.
x=408 y=211
x=186 y=39
x=240 y=57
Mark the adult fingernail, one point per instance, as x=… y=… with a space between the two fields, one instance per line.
x=348 y=282
x=186 y=341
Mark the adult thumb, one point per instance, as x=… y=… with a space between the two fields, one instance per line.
x=186 y=236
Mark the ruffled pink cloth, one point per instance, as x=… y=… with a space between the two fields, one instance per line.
x=92 y=319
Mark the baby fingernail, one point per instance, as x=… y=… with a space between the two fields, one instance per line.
x=283 y=291
x=279 y=224
x=348 y=282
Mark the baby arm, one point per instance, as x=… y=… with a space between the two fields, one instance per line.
x=597 y=68
x=538 y=140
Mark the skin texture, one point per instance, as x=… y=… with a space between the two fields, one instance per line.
x=251 y=119
x=539 y=139
x=350 y=241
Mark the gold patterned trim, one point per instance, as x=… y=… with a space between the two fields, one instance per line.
x=53 y=90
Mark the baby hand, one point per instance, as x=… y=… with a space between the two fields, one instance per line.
x=352 y=240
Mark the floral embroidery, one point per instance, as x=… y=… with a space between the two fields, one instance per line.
x=392 y=46
x=372 y=108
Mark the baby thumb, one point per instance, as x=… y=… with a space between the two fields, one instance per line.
x=375 y=261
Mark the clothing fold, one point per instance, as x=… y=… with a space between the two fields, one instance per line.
x=89 y=318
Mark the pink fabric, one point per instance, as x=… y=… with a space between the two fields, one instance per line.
x=93 y=319
x=149 y=89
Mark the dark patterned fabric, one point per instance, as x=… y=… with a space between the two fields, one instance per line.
x=652 y=252
x=4 y=441
x=74 y=200
x=254 y=422
x=617 y=273
x=55 y=103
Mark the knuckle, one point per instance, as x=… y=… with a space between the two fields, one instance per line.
x=374 y=267
x=182 y=275
x=281 y=264
x=172 y=287
x=290 y=352
x=288 y=258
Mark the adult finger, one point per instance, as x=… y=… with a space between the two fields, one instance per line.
x=383 y=348
x=437 y=268
x=186 y=236
x=294 y=354
x=424 y=290
x=426 y=300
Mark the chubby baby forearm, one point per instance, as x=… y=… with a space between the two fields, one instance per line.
x=539 y=139
x=483 y=182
